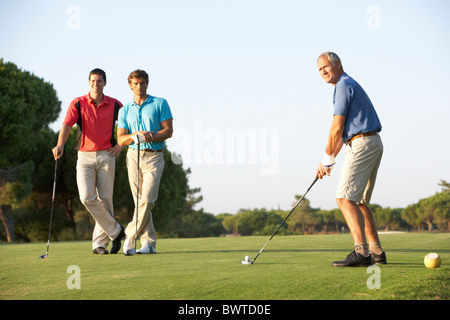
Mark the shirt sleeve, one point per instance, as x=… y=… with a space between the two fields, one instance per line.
x=122 y=119
x=165 y=113
x=71 y=114
x=343 y=97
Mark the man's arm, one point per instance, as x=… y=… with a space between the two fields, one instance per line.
x=335 y=136
x=124 y=138
x=62 y=138
x=163 y=134
x=334 y=144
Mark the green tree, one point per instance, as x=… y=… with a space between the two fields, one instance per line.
x=257 y=222
x=409 y=214
x=28 y=105
x=304 y=219
x=194 y=224
x=388 y=218
x=425 y=212
x=445 y=186
x=15 y=185
x=228 y=222
x=173 y=194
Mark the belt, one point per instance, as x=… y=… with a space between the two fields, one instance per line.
x=151 y=150
x=360 y=136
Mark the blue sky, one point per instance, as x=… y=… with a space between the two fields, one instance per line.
x=251 y=112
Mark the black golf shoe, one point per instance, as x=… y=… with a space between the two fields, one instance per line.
x=354 y=259
x=117 y=241
x=379 y=258
x=100 y=250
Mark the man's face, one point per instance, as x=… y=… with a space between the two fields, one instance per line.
x=96 y=83
x=139 y=86
x=329 y=72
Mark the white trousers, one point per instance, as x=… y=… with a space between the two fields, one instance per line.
x=151 y=167
x=95 y=180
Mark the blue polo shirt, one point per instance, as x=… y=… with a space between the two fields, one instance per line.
x=147 y=117
x=351 y=101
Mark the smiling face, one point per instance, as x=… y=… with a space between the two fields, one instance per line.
x=96 y=83
x=329 y=72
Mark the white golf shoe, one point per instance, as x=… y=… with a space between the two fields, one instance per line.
x=146 y=250
x=128 y=247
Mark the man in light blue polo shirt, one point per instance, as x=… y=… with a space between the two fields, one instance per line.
x=355 y=123
x=150 y=118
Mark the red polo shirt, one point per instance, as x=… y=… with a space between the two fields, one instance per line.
x=95 y=122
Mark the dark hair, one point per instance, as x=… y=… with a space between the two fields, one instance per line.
x=140 y=74
x=99 y=72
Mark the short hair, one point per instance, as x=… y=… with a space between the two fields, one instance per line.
x=332 y=57
x=99 y=72
x=140 y=74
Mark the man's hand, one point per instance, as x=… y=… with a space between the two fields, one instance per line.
x=326 y=166
x=144 y=136
x=58 y=152
x=115 y=151
x=138 y=138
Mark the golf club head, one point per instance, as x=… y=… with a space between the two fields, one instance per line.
x=247 y=262
x=44 y=256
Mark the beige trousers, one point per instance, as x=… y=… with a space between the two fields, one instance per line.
x=95 y=180
x=151 y=167
x=359 y=172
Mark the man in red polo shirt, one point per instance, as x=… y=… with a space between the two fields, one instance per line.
x=95 y=115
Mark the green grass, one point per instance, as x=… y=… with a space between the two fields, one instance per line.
x=290 y=268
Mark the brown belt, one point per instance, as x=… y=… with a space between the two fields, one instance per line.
x=360 y=136
x=151 y=150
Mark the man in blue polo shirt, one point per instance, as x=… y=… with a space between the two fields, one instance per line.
x=355 y=124
x=149 y=117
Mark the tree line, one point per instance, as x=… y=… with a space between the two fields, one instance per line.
x=432 y=213
x=28 y=105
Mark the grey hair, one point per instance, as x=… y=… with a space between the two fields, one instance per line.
x=332 y=57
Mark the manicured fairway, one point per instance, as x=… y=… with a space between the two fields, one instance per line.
x=290 y=268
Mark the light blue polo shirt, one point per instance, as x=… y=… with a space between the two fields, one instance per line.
x=147 y=117
x=351 y=101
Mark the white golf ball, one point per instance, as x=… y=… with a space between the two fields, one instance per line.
x=247 y=258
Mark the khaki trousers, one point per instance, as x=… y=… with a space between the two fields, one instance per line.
x=151 y=168
x=359 y=172
x=95 y=180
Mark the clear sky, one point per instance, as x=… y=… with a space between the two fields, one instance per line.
x=251 y=112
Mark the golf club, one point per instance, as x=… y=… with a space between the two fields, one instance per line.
x=44 y=256
x=138 y=139
x=247 y=258
x=137 y=195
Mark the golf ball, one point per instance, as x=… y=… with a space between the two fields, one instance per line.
x=247 y=258
x=432 y=260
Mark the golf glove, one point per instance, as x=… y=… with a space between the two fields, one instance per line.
x=141 y=138
x=328 y=162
